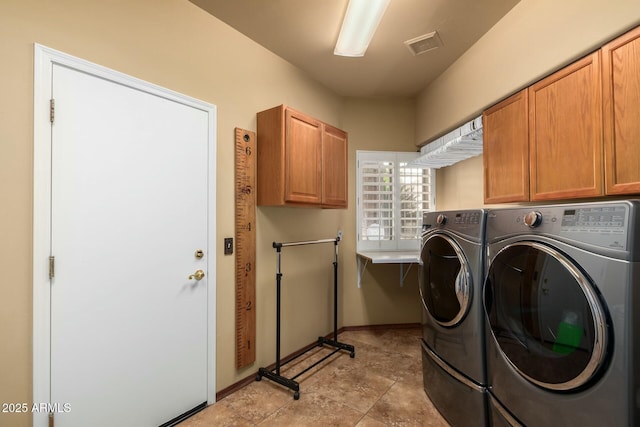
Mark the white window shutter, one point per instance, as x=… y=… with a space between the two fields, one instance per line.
x=391 y=198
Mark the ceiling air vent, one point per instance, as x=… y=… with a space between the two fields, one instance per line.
x=424 y=43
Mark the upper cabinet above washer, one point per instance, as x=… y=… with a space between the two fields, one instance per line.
x=583 y=131
x=565 y=132
x=621 y=96
x=301 y=160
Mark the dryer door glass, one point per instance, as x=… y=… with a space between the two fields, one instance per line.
x=445 y=282
x=546 y=316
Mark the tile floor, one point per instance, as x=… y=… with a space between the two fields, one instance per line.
x=381 y=386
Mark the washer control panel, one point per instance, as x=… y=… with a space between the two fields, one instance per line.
x=469 y=223
x=604 y=225
x=610 y=219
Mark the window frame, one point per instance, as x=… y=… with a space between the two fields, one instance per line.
x=396 y=158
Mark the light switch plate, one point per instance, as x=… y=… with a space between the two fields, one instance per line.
x=228 y=245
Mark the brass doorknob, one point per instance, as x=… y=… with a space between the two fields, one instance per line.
x=198 y=275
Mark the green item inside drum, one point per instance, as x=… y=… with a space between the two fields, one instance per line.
x=569 y=337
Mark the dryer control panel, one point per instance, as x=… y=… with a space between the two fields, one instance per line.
x=469 y=223
x=470 y=217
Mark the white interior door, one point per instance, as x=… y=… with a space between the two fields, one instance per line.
x=129 y=211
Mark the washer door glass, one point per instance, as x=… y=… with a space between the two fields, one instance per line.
x=546 y=316
x=445 y=283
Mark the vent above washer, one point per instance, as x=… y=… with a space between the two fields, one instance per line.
x=424 y=43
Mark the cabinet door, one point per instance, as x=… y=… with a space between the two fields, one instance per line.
x=621 y=97
x=565 y=132
x=334 y=167
x=303 y=159
x=506 y=150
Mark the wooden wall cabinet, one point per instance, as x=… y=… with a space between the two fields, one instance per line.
x=301 y=160
x=621 y=100
x=545 y=142
x=583 y=131
x=506 y=150
x=565 y=132
x=334 y=167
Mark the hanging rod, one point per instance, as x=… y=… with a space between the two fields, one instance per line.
x=308 y=242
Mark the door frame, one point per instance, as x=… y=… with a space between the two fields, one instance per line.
x=44 y=59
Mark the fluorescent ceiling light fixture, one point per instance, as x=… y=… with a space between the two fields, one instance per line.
x=360 y=22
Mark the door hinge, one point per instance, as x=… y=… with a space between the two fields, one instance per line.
x=51 y=421
x=52 y=267
x=52 y=109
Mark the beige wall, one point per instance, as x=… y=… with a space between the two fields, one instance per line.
x=174 y=44
x=377 y=125
x=534 y=39
x=460 y=186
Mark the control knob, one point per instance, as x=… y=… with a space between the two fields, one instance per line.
x=441 y=219
x=533 y=219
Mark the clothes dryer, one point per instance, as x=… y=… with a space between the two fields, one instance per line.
x=450 y=282
x=562 y=301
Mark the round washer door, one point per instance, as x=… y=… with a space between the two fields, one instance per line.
x=445 y=282
x=546 y=316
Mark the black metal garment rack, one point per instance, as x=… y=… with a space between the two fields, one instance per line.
x=274 y=374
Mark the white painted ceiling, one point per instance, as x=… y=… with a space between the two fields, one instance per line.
x=304 y=32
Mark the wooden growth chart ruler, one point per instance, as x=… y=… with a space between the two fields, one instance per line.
x=245 y=210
